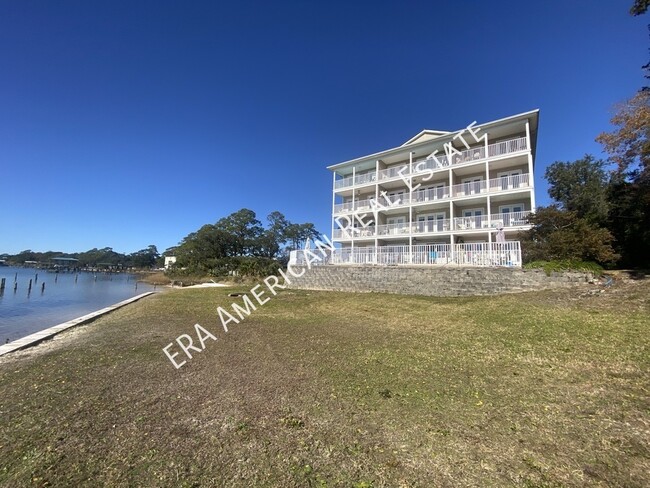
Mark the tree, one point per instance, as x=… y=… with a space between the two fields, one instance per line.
x=640 y=7
x=245 y=231
x=104 y=256
x=560 y=234
x=145 y=258
x=580 y=187
x=629 y=145
x=240 y=243
x=629 y=220
x=200 y=249
x=297 y=234
x=629 y=194
x=272 y=239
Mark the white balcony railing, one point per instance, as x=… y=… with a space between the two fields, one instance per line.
x=343 y=183
x=508 y=147
x=438 y=162
x=356 y=232
x=469 y=223
x=480 y=254
x=511 y=219
x=469 y=188
x=504 y=183
x=431 y=163
x=364 y=205
x=393 y=229
x=432 y=226
x=468 y=155
x=365 y=178
x=495 y=221
x=394 y=172
x=340 y=208
x=430 y=195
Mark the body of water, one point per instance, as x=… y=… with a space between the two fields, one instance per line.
x=66 y=296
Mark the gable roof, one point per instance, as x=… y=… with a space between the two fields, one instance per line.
x=532 y=115
x=425 y=135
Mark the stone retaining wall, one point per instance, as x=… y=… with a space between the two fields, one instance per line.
x=430 y=281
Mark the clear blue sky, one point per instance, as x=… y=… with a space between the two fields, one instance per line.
x=129 y=123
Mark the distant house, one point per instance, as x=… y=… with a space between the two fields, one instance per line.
x=169 y=261
x=65 y=262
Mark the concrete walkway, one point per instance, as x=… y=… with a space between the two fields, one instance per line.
x=50 y=332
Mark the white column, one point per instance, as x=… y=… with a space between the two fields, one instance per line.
x=333 y=202
x=410 y=223
x=531 y=176
x=352 y=227
x=375 y=211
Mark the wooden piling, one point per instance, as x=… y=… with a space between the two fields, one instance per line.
x=30 y=286
x=43 y=287
x=2 y=284
x=36 y=280
x=15 y=286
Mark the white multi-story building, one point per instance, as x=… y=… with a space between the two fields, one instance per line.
x=416 y=203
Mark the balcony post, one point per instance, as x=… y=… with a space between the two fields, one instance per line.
x=531 y=176
x=333 y=200
x=452 y=246
x=410 y=222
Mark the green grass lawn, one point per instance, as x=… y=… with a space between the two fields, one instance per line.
x=332 y=389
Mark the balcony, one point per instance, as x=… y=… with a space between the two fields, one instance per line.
x=393 y=229
x=471 y=223
x=394 y=172
x=469 y=189
x=482 y=254
x=365 y=178
x=343 y=183
x=501 y=184
x=432 y=226
x=340 y=208
x=366 y=205
x=438 y=162
x=428 y=227
x=430 y=195
x=504 y=183
x=511 y=219
x=357 y=232
x=495 y=221
x=458 y=224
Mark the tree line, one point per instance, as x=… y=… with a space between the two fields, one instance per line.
x=237 y=244
x=241 y=244
x=601 y=208
x=144 y=258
